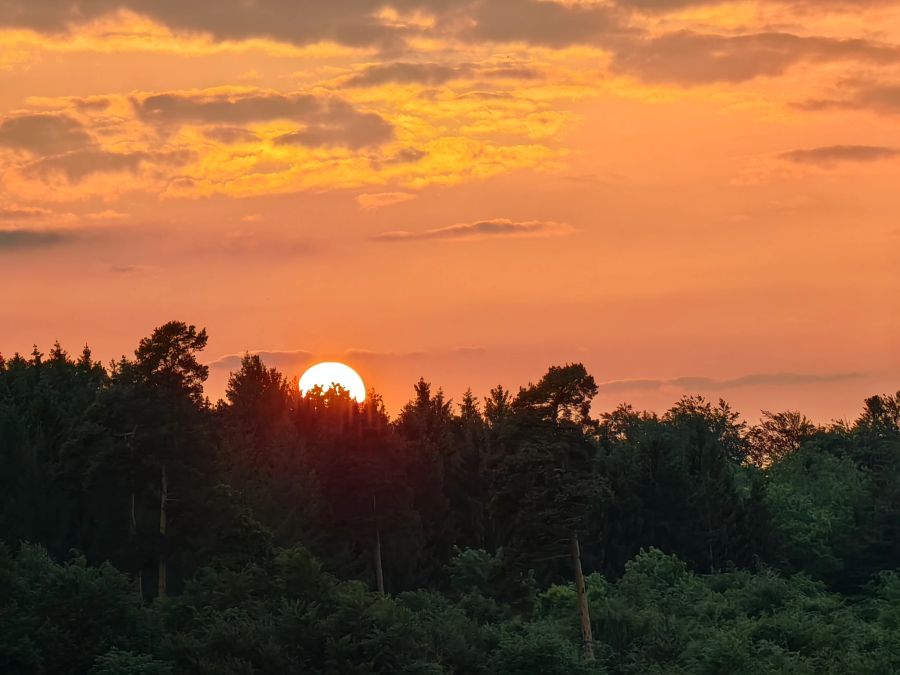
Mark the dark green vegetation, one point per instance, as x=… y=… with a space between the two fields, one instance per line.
x=148 y=531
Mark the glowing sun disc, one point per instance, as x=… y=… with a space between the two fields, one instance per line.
x=328 y=374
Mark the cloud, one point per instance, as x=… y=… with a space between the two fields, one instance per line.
x=23 y=213
x=43 y=134
x=882 y=98
x=223 y=107
x=405 y=155
x=406 y=73
x=351 y=129
x=377 y=200
x=707 y=383
x=24 y=239
x=663 y=6
x=433 y=74
x=690 y=58
x=326 y=120
x=369 y=356
x=351 y=22
x=552 y=24
x=836 y=154
x=230 y=135
x=402 y=156
x=495 y=228
x=78 y=165
x=92 y=103
x=677 y=5
x=355 y=23
x=271 y=358
x=131 y=269
x=294 y=359
x=365 y=24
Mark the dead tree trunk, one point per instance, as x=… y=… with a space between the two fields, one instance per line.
x=163 y=498
x=583 y=608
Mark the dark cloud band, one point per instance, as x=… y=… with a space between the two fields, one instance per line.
x=707 y=383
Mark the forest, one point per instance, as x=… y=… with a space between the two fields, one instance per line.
x=147 y=530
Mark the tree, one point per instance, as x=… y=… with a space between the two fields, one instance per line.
x=777 y=435
x=881 y=416
x=679 y=484
x=873 y=442
x=149 y=432
x=545 y=483
x=468 y=488
x=167 y=361
x=58 y=618
x=816 y=500
x=425 y=425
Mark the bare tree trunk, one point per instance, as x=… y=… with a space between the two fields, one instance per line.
x=379 y=573
x=163 y=498
x=583 y=608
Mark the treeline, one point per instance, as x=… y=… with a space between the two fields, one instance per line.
x=150 y=531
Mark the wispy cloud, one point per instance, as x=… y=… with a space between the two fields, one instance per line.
x=836 y=154
x=296 y=358
x=131 y=269
x=483 y=229
x=275 y=358
x=879 y=97
x=377 y=355
x=707 y=383
x=377 y=200
x=16 y=213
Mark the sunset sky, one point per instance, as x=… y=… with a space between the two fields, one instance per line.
x=688 y=197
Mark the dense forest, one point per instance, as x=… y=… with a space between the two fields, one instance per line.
x=147 y=530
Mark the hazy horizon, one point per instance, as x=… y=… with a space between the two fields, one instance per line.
x=393 y=375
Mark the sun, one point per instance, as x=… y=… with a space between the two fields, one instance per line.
x=328 y=374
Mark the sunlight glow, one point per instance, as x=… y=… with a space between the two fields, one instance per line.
x=328 y=374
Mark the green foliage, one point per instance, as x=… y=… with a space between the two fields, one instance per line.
x=678 y=485
x=118 y=662
x=815 y=499
x=538 y=649
x=474 y=571
x=59 y=618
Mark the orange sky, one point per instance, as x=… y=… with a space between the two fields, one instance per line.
x=686 y=196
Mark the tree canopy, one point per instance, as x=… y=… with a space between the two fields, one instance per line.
x=149 y=531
